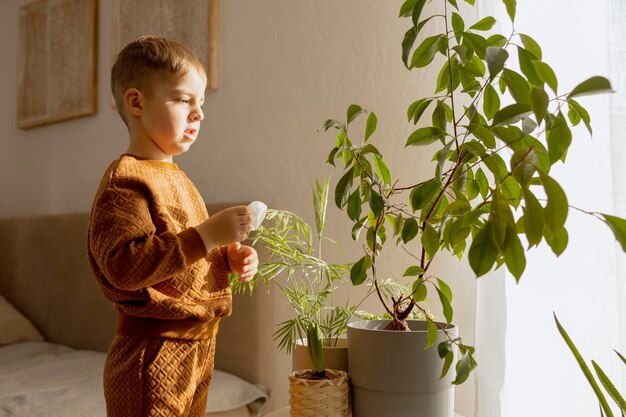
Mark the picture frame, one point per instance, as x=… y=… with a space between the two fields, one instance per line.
x=57 y=64
x=190 y=22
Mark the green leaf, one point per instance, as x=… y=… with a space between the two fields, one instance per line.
x=331 y=156
x=423 y=194
x=531 y=46
x=583 y=366
x=432 y=330
x=473 y=67
x=559 y=138
x=577 y=111
x=409 y=230
x=533 y=218
x=446 y=362
x=419 y=290
x=618 y=226
x=458 y=25
x=446 y=306
x=477 y=43
x=413 y=271
x=546 y=74
x=539 y=101
x=417 y=108
x=620 y=356
x=510 y=8
x=511 y=114
x=314 y=346
x=425 y=136
x=358 y=272
x=354 y=205
x=483 y=251
x=356 y=230
x=555 y=212
x=439 y=116
x=369 y=148
x=517 y=85
x=526 y=63
x=430 y=240
x=417 y=12
x=445 y=289
x=524 y=165
x=426 y=51
x=609 y=387
x=593 y=85
x=485 y=136
x=407 y=44
x=376 y=203
x=557 y=242
x=484 y=24
x=382 y=170
x=442 y=156
x=407 y=8
x=491 y=103
x=482 y=181
x=332 y=123
x=353 y=111
x=514 y=254
x=398 y=224
x=370 y=126
x=454 y=4
x=501 y=218
x=496 y=58
x=463 y=368
x=342 y=191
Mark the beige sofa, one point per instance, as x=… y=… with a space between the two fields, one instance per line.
x=44 y=273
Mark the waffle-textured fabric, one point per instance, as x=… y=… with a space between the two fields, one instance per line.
x=153 y=265
x=171 y=377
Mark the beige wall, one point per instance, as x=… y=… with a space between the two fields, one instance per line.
x=284 y=67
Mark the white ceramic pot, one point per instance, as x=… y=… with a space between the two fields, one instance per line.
x=392 y=374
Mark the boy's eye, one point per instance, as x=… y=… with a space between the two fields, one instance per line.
x=184 y=100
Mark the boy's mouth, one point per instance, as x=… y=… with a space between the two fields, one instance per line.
x=191 y=133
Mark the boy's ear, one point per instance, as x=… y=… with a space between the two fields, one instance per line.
x=133 y=101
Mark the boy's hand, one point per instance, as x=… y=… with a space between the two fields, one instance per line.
x=243 y=260
x=227 y=226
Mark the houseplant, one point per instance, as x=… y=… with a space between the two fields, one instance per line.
x=605 y=381
x=319 y=391
x=491 y=185
x=293 y=248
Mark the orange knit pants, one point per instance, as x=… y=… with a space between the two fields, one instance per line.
x=158 y=377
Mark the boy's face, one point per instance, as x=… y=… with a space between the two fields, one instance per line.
x=172 y=113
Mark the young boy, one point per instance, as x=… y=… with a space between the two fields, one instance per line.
x=152 y=247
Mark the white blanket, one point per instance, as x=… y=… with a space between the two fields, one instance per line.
x=45 y=379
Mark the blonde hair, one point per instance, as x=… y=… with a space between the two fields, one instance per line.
x=147 y=59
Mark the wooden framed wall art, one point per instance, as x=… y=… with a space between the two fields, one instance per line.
x=190 y=22
x=57 y=72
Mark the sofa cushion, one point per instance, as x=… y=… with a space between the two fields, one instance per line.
x=14 y=327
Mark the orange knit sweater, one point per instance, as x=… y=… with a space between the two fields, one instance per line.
x=147 y=257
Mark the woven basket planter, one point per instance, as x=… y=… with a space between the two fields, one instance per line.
x=319 y=398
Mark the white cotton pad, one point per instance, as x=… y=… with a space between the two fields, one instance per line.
x=258 y=213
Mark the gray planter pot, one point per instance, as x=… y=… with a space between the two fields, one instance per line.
x=392 y=374
x=335 y=357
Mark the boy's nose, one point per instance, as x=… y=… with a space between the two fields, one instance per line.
x=197 y=115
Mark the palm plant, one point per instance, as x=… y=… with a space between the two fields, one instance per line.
x=295 y=250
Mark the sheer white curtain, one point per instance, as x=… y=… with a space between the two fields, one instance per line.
x=525 y=368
